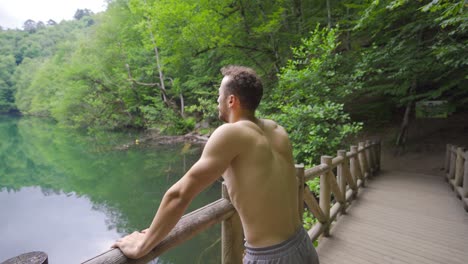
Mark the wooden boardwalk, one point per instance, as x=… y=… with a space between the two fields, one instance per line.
x=401 y=217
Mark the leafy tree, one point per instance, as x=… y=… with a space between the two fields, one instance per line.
x=7 y=67
x=80 y=13
x=51 y=22
x=416 y=52
x=307 y=100
x=29 y=26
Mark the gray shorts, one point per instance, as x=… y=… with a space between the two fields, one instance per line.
x=296 y=250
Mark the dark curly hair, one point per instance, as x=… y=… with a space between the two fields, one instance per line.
x=245 y=84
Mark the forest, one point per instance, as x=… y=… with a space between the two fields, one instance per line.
x=329 y=67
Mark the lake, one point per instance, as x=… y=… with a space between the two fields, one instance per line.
x=72 y=195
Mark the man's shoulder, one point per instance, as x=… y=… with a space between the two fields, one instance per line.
x=273 y=126
x=270 y=123
x=228 y=128
x=226 y=131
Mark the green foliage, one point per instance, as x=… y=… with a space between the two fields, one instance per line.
x=308 y=219
x=155 y=64
x=417 y=52
x=307 y=100
x=7 y=66
x=167 y=122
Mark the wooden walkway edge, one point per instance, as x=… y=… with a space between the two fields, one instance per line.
x=401 y=217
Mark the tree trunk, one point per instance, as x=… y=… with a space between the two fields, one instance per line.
x=297 y=11
x=404 y=126
x=348 y=33
x=161 y=75
x=402 y=136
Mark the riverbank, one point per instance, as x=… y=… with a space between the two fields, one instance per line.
x=152 y=139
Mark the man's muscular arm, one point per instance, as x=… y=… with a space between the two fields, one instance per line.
x=222 y=147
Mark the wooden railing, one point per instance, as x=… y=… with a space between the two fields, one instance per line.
x=353 y=169
x=456 y=168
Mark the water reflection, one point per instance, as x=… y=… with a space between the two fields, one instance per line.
x=54 y=223
x=81 y=178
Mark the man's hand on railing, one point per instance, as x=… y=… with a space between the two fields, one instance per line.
x=132 y=245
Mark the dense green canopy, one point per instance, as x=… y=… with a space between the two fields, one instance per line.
x=155 y=63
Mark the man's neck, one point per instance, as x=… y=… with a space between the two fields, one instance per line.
x=242 y=115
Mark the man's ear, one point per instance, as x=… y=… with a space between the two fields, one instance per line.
x=232 y=100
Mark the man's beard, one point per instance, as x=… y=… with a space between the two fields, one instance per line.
x=222 y=116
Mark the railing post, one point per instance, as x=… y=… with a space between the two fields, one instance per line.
x=369 y=158
x=36 y=257
x=375 y=155
x=341 y=170
x=447 y=158
x=325 y=193
x=453 y=158
x=355 y=166
x=464 y=193
x=458 y=170
x=379 y=153
x=300 y=182
x=362 y=162
x=232 y=237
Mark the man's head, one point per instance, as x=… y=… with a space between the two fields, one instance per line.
x=242 y=84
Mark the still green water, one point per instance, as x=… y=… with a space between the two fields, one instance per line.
x=72 y=195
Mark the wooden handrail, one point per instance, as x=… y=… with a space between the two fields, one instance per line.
x=353 y=170
x=456 y=168
x=314 y=172
x=188 y=226
x=232 y=236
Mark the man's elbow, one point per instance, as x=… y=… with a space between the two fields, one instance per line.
x=179 y=197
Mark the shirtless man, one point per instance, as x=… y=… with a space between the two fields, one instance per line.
x=255 y=156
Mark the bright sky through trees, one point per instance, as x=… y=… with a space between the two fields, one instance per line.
x=14 y=13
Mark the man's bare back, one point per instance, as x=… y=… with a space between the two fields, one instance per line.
x=262 y=184
x=255 y=157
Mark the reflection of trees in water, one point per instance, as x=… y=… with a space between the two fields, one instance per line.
x=125 y=185
x=49 y=192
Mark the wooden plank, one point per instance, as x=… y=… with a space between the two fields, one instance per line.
x=349 y=195
x=335 y=188
x=35 y=257
x=453 y=158
x=359 y=183
x=316 y=231
x=400 y=218
x=447 y=158
x=232 y=236
x=362 y=161
x=336 y=208
x=349 y=178
x=313 y=206
x=370 y=163
x=300 y=193
x=355 y=167
x=316 y=171
x=459 y=165
x=464 y=194
x=341 y=170
x=325 y=192
x=336 y=161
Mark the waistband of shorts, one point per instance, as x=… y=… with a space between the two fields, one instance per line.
x=280 y=248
